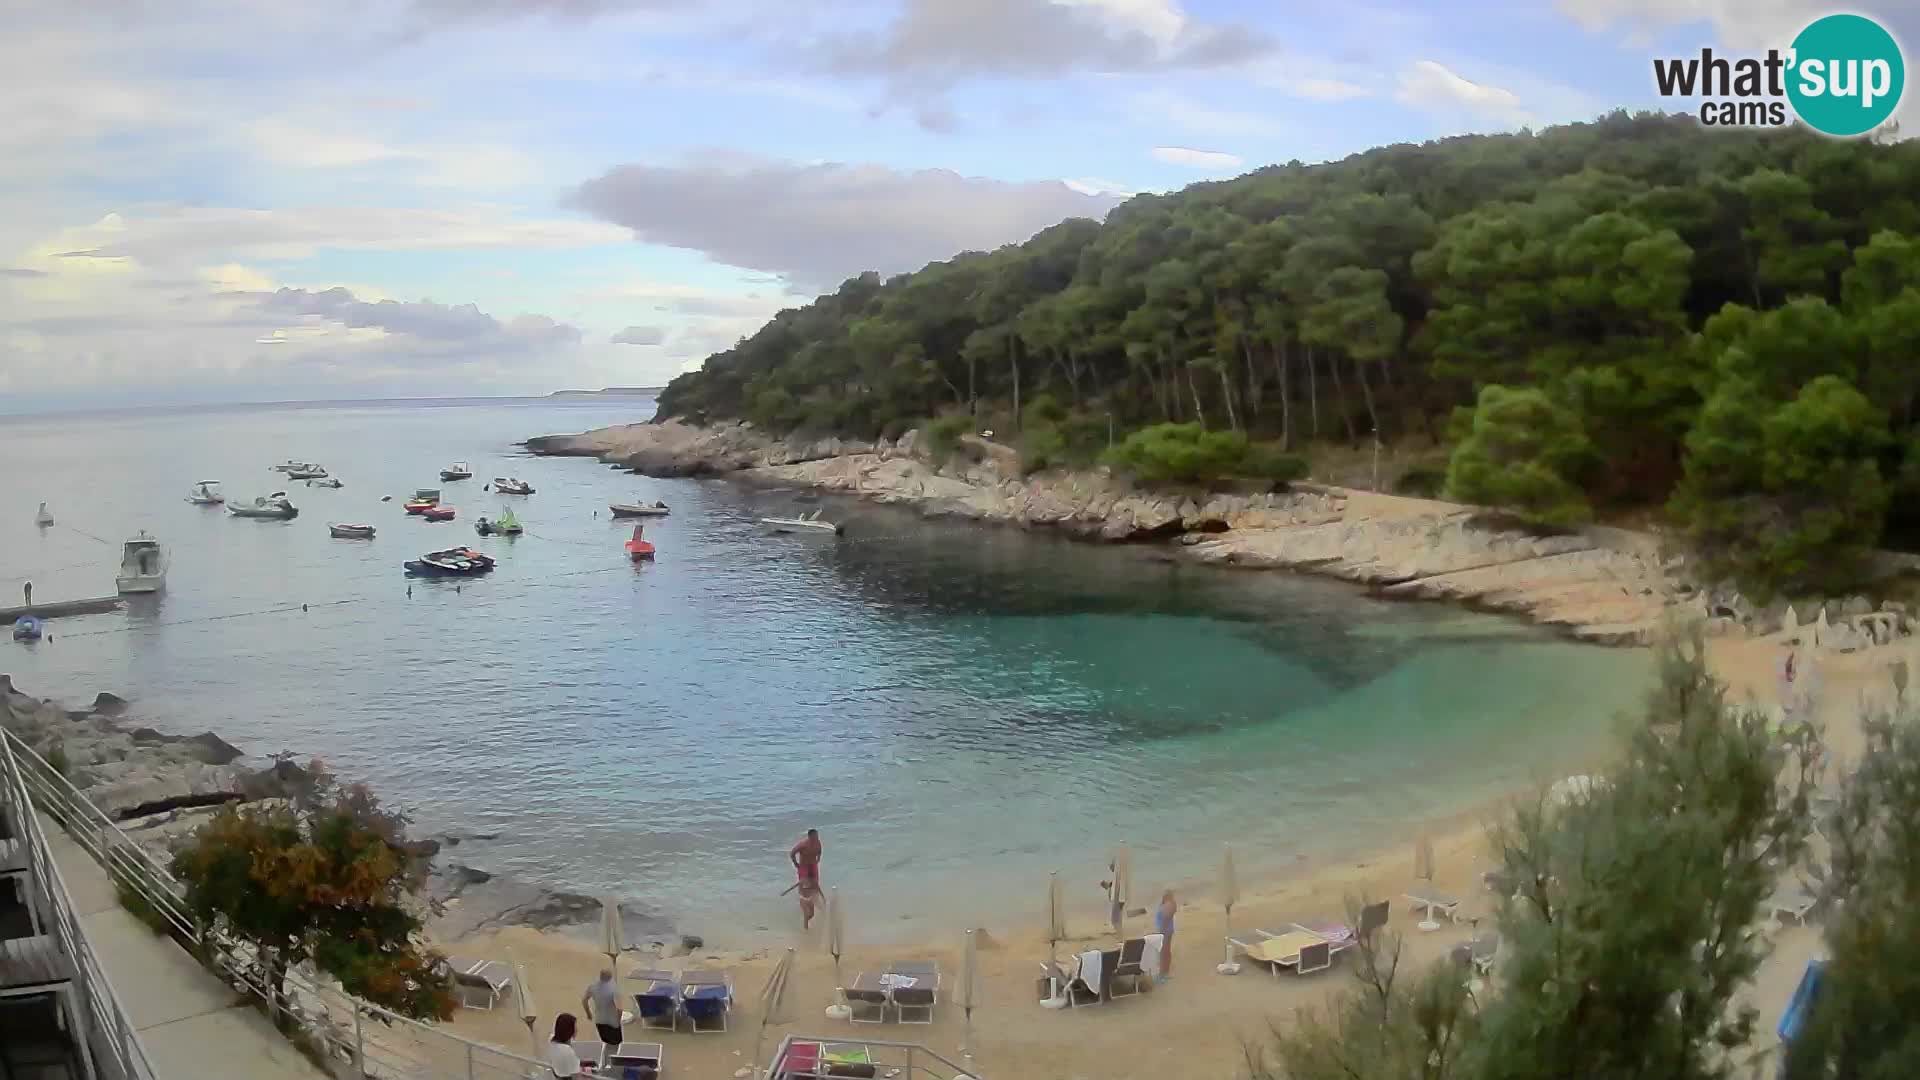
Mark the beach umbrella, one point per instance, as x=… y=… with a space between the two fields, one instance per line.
x=1229 y=891
x=773 y=1000
x=969 y=965
x=1056 y=914
x=1123 y=878
x=523 y=1000
x=610 y=941
x=836 y=930
x=1423 y=871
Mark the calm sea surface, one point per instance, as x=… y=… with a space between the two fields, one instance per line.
x=959 y=709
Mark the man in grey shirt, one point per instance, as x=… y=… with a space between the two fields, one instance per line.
x=602 y=1002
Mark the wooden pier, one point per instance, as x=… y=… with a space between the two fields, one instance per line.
x=54 y=609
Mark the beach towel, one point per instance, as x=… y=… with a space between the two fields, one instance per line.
x=1090 y=969
x=1150 y=956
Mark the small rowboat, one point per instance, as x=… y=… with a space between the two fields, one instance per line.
x=638 y=548
x=457 y=471
x=620 y=510
x=351 y=532
x=804 y=523
x=438 y=513
x=512 y=485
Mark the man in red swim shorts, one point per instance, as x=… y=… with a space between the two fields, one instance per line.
x=805 y=856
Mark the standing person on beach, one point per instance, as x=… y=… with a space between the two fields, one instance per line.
x=1163 y=925
x=602 y=1002
x=27 y=591
x=805 y=857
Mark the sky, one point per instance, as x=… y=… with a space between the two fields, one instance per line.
x=282 y=199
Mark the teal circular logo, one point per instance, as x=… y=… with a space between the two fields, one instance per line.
x=1847 y=75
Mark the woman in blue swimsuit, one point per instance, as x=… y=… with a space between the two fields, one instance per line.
x=1163 y=925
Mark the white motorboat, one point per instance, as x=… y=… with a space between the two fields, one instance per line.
x=143 y=565
x=803 y=523
x=657 y=509
x=512 y=485
x=459 y=470
x=206 y=493
x=275 y=505
x=301 y=470
x=44 y=518
x=326 y=482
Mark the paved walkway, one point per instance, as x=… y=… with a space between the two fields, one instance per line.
x=194 y=1026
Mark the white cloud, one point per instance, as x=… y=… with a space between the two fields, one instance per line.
x=1330 y=90
x=1200 y=119
x=1162 y=21
x=639 y=335
x=1428 y=84
x=817 y=224
x=1093 y=185
x=1741 y=24
x=1209 y=160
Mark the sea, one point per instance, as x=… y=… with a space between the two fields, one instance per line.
x=960 y=709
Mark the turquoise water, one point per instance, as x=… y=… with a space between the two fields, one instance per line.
x=959 y=709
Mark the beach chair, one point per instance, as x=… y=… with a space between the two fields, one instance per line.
x=1277 y=950
x=1484 y=946
x=657 y=1002
x=913 y=1004
x=1129 y=969
x=1432 y=901
x=480 y=984
x=706 y=997
x=634 y=1061
x=1796 y=900
x=1372 y=917
x=865 y=1004
x=1315 y=957
x=590 y=1052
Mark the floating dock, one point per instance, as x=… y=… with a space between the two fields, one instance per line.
x=54 y=609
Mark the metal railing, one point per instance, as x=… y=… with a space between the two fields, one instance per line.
x=900 y=1060
x=356 y=1038
x=107 y=1041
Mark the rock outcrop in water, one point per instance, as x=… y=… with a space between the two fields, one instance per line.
x=1604 y=585
x=161 y=787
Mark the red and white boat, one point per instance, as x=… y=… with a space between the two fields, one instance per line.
x=437 y=512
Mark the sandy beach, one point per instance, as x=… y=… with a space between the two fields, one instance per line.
x=1201 y=1023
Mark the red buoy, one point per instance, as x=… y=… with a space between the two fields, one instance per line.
x=638 y=548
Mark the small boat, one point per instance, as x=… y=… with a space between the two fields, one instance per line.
x=453 y=562
x=457 y=471
x=438 y=513
x=265 y=506
x=505 y=525
x=44 y=518
x=424 y=499
x=350 y=532
x=638 y=548
x=300 y=470
x=326 y=482
x=803 y=522
x=143 y=566
x=512 y=485
x=206 y=493
x=620 y=510
x=27 y=628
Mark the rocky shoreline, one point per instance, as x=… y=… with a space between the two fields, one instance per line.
x=159 y=788
x=1600 y=585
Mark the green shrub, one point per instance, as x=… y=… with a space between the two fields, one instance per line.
x=1520 y=450
x=943 y=434
x=1268 y=461
x=1422 y=481
x=1179 y=454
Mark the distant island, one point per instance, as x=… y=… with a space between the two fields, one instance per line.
x=611 y=391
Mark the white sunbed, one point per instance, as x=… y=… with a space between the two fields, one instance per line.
x=1424 y=895
x=482 y=981
x=1796 y=901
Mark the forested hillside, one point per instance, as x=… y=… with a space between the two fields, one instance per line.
x=1636 y=312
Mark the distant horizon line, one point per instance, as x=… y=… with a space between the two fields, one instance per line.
x=212 y=406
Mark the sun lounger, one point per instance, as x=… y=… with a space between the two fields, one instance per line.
x=480 y=984
x=705 y=999
x=1484 y=947
x=866 y=999
x=912 y=1004
x=1795 y=901
x=1286 y=949
x=657 y=1001
x=1129 y=969
x=1424 y=895
x=634 y=1061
